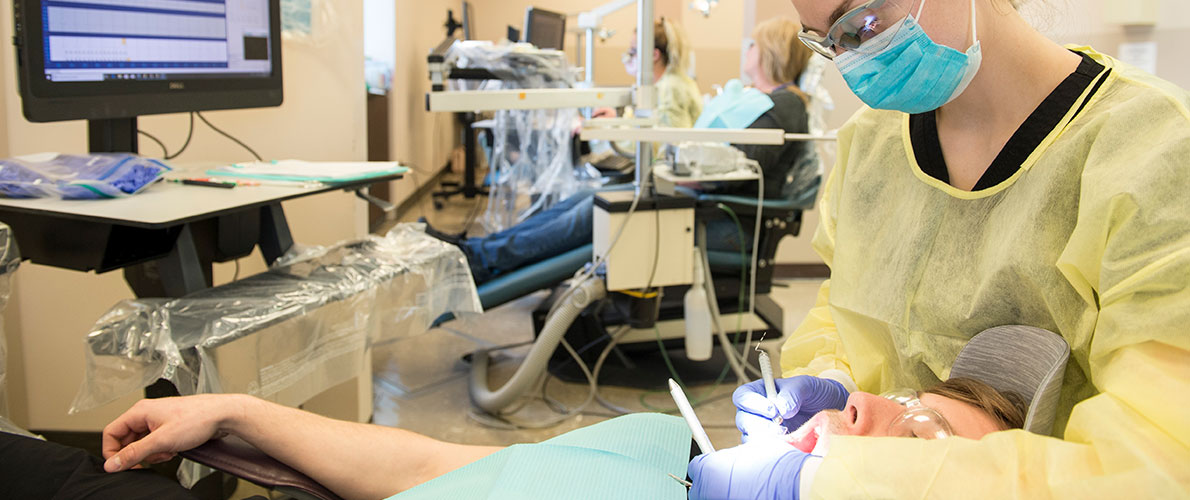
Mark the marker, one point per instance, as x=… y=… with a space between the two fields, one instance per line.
x=696 y=430
x=770 y=385
x=204 y=182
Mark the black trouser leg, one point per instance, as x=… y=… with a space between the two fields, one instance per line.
x=34 y=469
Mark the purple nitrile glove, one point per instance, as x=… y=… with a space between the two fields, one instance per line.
x=798 y=398
x=764 y=469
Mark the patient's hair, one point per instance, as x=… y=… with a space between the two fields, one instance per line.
x=1008 y=408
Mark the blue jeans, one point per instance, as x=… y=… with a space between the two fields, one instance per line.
x=563 y=227
x=559 y=229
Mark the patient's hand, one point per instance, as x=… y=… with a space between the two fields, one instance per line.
x=153 y=430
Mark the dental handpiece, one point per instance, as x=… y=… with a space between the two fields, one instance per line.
x=770 y=385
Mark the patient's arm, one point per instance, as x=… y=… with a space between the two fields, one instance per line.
x=353 y=460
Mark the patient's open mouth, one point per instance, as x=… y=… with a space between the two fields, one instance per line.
x=806 y=436
x=806 y=442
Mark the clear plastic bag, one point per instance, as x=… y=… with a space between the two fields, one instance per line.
x=533 y=165
x=10 y=259
x=518 y=64
x=280 y=334
x=78 y=177
x=532 y=162
x=806 y=175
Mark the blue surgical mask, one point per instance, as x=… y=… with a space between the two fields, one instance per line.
x=913 y=73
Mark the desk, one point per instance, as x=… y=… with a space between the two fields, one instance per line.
x=165 y=238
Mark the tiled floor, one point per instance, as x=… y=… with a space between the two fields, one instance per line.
x=421 y=382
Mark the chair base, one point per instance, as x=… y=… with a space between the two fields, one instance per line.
x=637 y=361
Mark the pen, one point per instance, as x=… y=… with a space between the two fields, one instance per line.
x=696 y=430
x=770 y=385
x=203 y=182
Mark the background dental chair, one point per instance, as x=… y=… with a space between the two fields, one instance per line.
x=1028 y=361
x=639 y=364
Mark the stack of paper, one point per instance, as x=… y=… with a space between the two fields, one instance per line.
x=299 y=171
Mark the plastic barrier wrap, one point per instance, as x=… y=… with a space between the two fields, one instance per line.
x=519 y=64
x=10 y=260
x=532 y=164
x=285 y=334
x=806 y=174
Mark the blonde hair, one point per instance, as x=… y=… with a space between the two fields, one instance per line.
x=782 y=56
x=670 y=38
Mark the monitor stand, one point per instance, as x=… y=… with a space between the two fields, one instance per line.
x=112 y=135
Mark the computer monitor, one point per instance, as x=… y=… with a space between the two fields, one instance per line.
x=545 y=29
x=109 y=61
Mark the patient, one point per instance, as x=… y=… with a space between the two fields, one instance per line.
x=774 y=62
x=370 y=462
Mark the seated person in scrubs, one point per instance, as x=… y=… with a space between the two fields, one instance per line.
x=679 y=102
x=994 y=178
x=364 y=461
x=774 y=63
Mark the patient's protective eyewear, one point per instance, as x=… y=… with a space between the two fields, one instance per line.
x=856 y=29
x=918 y=420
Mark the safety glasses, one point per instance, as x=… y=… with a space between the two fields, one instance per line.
x=917 y=420
x=857 y=29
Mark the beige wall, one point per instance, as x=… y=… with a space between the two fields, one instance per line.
x=714 y=41
x=323 y=118
x=419 y=138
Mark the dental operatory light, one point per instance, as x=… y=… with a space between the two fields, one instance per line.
x=704 y=6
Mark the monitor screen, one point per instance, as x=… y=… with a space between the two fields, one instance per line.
x=545 y=29
x=119 y=58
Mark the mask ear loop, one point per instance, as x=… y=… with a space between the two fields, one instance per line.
x=974 y=26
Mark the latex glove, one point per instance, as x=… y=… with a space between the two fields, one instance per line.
x=768 y=469
x=798 y=399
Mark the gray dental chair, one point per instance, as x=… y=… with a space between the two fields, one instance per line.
x=1025 y=360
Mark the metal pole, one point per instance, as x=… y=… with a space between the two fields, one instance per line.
x=644 y=84
x=589 y=60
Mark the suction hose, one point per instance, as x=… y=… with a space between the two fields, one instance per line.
x=585 y=293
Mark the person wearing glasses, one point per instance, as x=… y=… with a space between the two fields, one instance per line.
x=995 y=177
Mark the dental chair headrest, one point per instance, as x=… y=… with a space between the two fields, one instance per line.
x=1028 y=361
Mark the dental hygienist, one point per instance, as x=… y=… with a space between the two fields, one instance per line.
x=996 y=178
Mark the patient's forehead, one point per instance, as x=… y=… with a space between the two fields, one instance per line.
x=965 y=419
